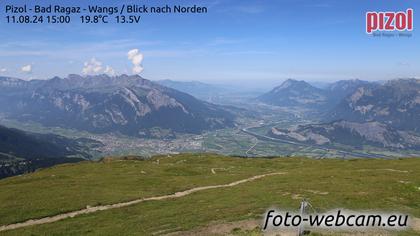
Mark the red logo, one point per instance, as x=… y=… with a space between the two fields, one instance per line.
x=389 y=21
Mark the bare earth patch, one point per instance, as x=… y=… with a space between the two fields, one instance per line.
x=252 y=224
x=390 y=170
x=220 y=229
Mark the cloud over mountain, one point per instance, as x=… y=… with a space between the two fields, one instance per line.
x=27 y=68
x=92 y=66
x=136 y=58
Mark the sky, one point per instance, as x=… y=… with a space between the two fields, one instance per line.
x=237 y=40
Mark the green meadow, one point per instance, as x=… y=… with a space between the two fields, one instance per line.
x=356 y=184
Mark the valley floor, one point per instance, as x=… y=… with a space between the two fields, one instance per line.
x=189 y=193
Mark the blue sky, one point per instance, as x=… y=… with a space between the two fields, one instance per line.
x=315 y=40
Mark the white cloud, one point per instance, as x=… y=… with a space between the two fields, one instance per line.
x=109 y=71
x=26 y=68
x=92 y=66
x=2 y=70
x=136 y=58
x=137 y=69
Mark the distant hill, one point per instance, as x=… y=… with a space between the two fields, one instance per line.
x=350 y=133
x=22 y=152
x=295 y=93
x=395 y=103
x=125 y=104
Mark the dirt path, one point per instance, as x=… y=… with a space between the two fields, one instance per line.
x=252 y=147
x=415 y=224
x=88 y=210
x=391 y=170
x=213 y=170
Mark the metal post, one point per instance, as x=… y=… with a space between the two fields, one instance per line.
x=303 y=205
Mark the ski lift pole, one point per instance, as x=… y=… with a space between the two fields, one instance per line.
x=303 y=206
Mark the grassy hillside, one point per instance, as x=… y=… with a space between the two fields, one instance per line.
x=390 y=185
x=23 y=152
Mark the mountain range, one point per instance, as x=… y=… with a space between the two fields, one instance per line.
x=353 y=113
x=299 y=93
x=359 y=113
x=396 y=103
x=129 y=105
x=352 y=134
